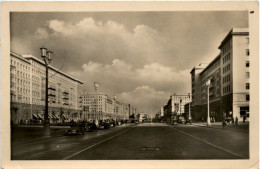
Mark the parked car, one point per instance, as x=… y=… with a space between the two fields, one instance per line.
x=228 y=119
x=112 y=124
x=77 y=128
x=188 y=121
x=175 y=120
x=181 y=119
x=90 y=127
x=104 y=125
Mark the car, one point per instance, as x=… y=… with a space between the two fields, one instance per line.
x=103 y=125
x=175 y=120
x=189 y=121
x=181 y=119
x=90 y=127
x=77 y=128
x=228 y=119
x=112 y=124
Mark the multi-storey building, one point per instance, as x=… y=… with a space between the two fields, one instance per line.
x=28 y=92
x=229 y=75
x=99 y=106
x=178 y=102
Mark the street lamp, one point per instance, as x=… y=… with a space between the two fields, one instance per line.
x=208 y=84
x=47 y=57
x=189 y=106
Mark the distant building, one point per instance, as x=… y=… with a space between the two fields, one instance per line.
x=99 y=106
x=162 y=112
x=27 y=92
x=178 y=102
x=229 y=74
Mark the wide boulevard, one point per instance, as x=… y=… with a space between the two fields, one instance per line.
x=131 y=141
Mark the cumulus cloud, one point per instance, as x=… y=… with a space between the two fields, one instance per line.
x=146 y=98
x=121 y=76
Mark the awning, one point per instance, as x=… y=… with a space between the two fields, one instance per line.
x=41 y=116
x=55 y=116
x=35 y=116
x=64 y=117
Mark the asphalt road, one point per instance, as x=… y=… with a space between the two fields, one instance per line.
x=138 y=142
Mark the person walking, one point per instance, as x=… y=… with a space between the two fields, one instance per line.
x=224 y=124
x=236 y=121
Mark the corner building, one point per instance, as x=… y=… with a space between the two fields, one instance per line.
x=27 y=90
x=229 y=74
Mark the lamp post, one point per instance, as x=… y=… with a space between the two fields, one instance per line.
x=208 y=84
x=189 y=107
x=46 y=56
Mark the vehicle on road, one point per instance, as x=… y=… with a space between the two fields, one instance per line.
x=103 y=125
x=228 y=119
x=90 y=127
x=181 y=119
x=174 y=120
x=188 y=121
x=76 y=128
x=112 y=124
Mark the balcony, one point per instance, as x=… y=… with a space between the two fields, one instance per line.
x=52 y=95
x=65 y=93
x=52 y=88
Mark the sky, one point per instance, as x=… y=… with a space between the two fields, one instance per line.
x=141 y=57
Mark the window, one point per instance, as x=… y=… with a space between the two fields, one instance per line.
x=247 y=40
x=247 y=85
x=247 y=74
x=247 y=63
x=247 y=52
x=247 y=97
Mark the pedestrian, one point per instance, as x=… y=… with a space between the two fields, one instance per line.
x=244 y=119
x=223 y=123
x=236 y=121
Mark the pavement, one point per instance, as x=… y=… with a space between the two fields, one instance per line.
x=133 y=142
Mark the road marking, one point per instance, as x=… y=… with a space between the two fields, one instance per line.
x=213 y=145
x=68 y=157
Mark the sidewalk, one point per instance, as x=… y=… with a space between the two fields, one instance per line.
x=243 y=127
x=39 y=126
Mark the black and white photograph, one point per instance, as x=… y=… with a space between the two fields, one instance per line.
x=122 y=85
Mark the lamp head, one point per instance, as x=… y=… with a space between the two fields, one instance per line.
x=49 y=55
x=43 y=52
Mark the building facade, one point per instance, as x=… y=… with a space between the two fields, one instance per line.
x=27 y=92
x=229 y=75
x=99 y=106
x=178 y=102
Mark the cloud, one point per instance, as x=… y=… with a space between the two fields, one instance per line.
x=146 y=98
x=121 y=76
x=41 y=33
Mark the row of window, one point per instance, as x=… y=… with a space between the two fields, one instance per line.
x=19 y=65
x=226 y=58
x=227 y=89
x=23 y=90
x=92 y=96
x=21 y=74
x=23 y=82
x=226 y=47
x=226 y=78
x=226 y=68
